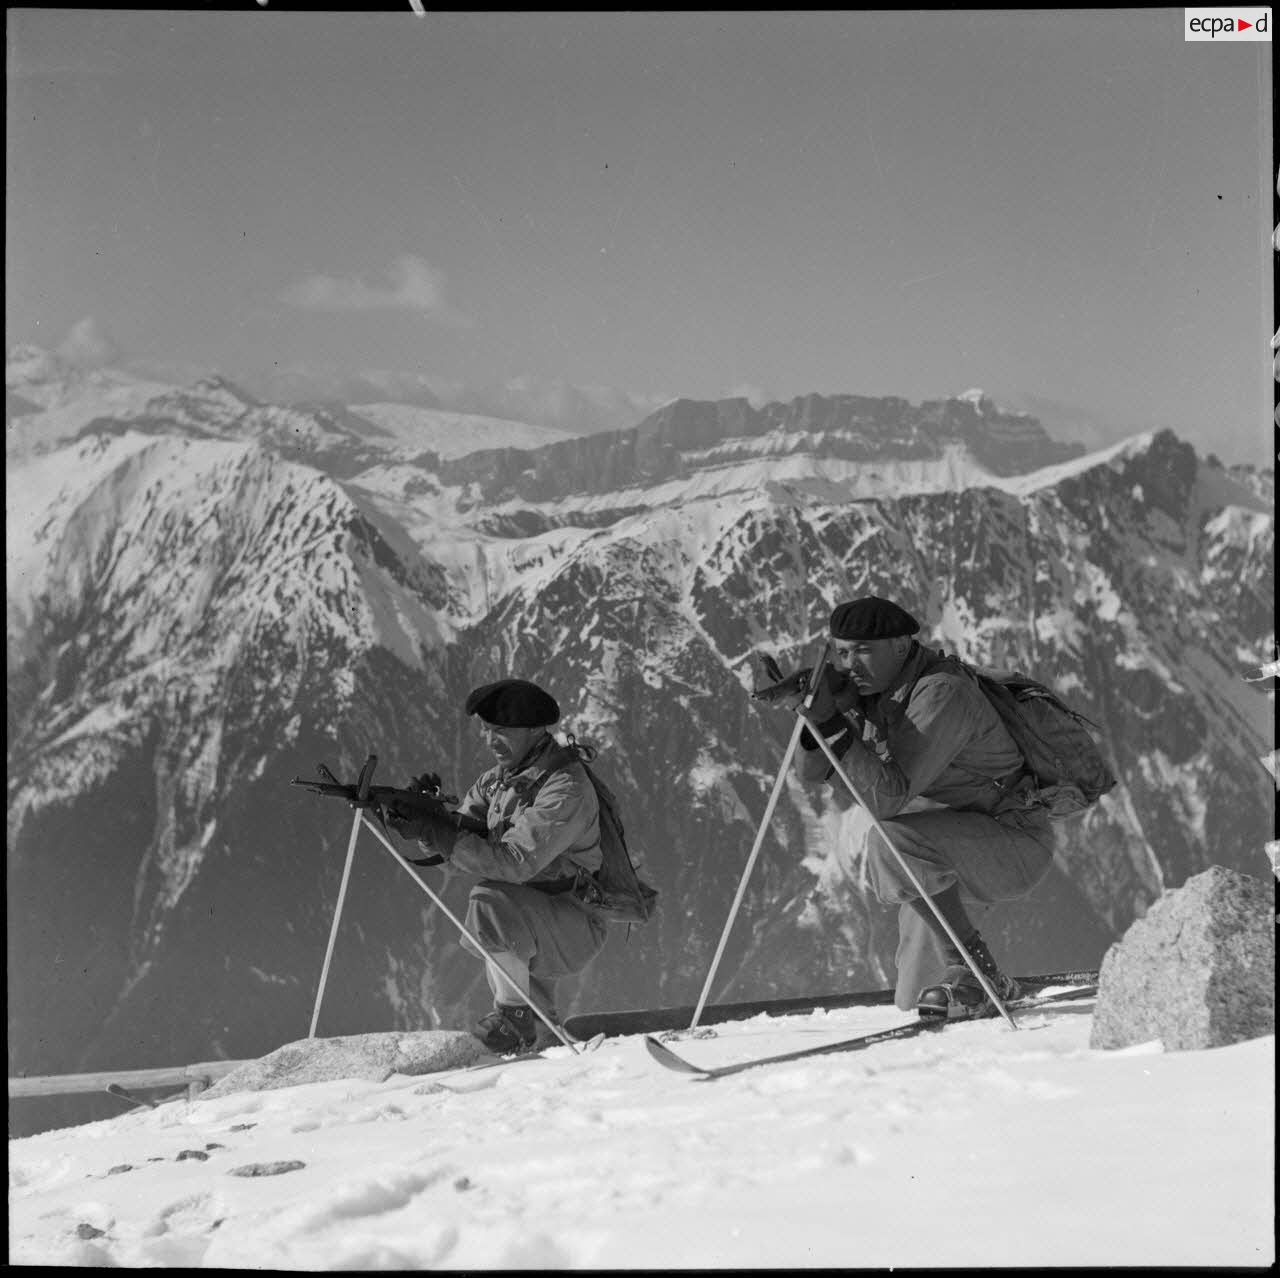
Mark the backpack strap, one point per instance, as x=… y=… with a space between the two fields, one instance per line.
x=1007 y=787
x=557 y=760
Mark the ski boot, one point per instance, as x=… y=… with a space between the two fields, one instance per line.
x=513 y=1031
x=959 y=994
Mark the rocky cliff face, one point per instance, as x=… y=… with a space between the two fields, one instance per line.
x=209 y=596
x=688 y=436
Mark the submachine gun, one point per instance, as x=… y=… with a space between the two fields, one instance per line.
x=423 y=794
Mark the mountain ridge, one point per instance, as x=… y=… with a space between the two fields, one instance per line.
x=205 y=604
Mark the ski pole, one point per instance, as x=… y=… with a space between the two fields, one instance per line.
x=906 y=869
x=462 y=927
x=362 y=794
x=792 y=745
x=337 y=914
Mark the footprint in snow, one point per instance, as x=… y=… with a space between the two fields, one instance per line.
x=179 y=1234
x=268 y=1169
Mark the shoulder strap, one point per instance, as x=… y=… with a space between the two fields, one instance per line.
x=999 y=697
x=556 y=760
x=938 y=660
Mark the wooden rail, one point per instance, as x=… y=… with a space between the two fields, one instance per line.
x=195 y=1078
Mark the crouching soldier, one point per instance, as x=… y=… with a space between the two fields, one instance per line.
x=907 y=726
x=542 y=819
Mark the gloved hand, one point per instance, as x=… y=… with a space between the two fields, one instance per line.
x=825 y=705
x=425 y=820
x=429 y=783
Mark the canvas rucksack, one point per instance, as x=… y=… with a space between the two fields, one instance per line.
x=615 y=891
x=1070 y=770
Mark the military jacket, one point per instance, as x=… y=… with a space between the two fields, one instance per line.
x=931 y=735
x=539 y=829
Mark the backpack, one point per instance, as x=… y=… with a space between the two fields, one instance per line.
x=615 y=891
x=1069 y=768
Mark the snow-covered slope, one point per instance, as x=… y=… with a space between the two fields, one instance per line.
x=981 y=1147
x=210 y=595
x=48 y=401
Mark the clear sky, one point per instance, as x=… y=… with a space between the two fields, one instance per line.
x=1068 y=208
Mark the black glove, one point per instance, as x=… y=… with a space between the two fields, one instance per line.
x=835 y=714
x=424 y=820
x=429 y=783
x=826 y=704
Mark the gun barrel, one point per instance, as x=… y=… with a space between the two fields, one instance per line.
x=333 y=791
x=364 y=795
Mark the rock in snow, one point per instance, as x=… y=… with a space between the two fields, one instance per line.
x=367 y=1056
x=1198 y=971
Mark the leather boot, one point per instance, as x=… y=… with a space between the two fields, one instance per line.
x=508 y=1030
x=958 y=994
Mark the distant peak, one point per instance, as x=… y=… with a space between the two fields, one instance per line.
x=214 y=385
x=979 y=398
x=28 y=362
x=984 y=405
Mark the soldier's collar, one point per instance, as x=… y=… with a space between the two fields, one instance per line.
x=900 y=689
x=535 y=754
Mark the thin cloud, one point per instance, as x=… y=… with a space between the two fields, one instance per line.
x=411 y=284
x=87 y=345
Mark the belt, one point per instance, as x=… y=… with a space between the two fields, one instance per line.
x=553 y=887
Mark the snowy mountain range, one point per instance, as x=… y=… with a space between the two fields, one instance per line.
x=209 y=595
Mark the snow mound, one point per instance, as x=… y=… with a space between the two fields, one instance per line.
x=1022 y=1148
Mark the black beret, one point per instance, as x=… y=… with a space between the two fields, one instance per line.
x=513 y=703
x=871 y=618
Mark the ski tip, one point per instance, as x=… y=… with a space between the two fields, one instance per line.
x=665 y=1056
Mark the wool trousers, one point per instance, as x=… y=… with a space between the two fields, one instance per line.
x=992 y=858
x=553 y=936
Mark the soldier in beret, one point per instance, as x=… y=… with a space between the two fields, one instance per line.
x=541 y=817
x=932 y=760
